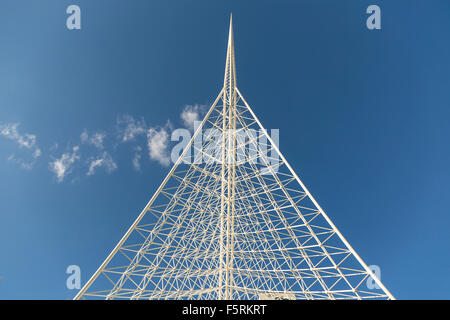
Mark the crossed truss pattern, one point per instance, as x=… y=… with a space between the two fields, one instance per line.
x=232 y=220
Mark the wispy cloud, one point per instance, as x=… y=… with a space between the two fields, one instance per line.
x=27 y=165
x=10 y=131
x=63 y=166
x=129 y=128
x=105 y=161
x=95 y=139
x=158 y=144
x=24 y=141
x=191 y=114
x=36 y=153
x=137 y=158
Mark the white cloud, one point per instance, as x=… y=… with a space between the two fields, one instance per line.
x=27 y=165
x=158 y=139
x=37 y=153
x=95 y=139
x=137 y=159
x=105 y=161
x=129 y=128
x=158 y=143
x=136 y=162
x=63 y=166
x=10 y=131
x=84 y=136
x=27 y=141
x=190 y=114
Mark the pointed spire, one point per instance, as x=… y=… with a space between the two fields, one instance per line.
x=230 y=32
x=230 y=67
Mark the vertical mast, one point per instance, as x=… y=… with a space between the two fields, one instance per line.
x=228 y=172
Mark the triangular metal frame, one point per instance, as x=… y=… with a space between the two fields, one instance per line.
x=232 y=227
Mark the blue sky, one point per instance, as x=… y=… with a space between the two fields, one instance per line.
x=363 y=118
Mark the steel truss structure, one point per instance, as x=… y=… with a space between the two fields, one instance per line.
x=235 y=223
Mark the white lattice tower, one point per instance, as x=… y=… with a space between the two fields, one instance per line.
x=232 y=220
